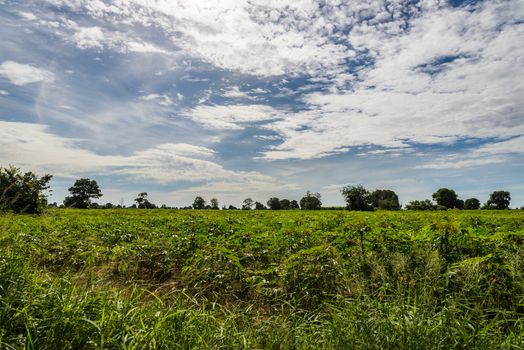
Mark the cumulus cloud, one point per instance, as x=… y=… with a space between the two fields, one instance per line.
x=467 y=86
x=23 y=74
x=262 y=37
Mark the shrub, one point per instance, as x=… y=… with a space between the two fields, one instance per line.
x=22 y=192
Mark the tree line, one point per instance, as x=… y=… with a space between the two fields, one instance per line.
x=24 y=193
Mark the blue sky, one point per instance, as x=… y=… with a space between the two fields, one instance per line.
x=235 y=98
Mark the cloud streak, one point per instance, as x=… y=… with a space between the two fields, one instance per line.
x=31 y=146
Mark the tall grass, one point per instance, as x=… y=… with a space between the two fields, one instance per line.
x=261 y=280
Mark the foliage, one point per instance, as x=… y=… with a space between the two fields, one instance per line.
x=110 y=279
x=421 y=205
x=81 y=193
x=472 y=204
x=199 y=203
x=214 y=204
x=285 y=204
x=293 y=204
x=385 y=200
x=259 y=206
x=357 y=198
x=311 y=201
x=447 y=198
x=274 y=203
x=143 y=203
x=22 y=192
x=499 y=200
x=247 y=204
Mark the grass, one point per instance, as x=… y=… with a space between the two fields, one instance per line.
x=148 y=279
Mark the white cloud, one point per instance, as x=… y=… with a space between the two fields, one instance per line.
x=489 y=153
x=30 y=146
x=161 y=99
x=476 y=93
x=23 y=74
x=514 y=145
x=230 y=117
x=141 y=47
x=234 y=92
x=459 y=162
x=89 y=38
x=27 y=15
x=4 y=93
x=262 y=37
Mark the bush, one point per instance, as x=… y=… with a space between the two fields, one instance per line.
x=22 y=192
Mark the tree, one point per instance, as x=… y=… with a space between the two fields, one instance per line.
x=294 y=205
x=274 y=203
x=446 y=197
x=285 y=204
x=499 y=200
x=81 y=193
x=143 y=203
x=199 y=203
x=259 y=206
x=141 y=198
x=421 y=205
x=385 y=199
x=22 y=192
x=472 y=204
x=247 y=204
x=357 y=198
x=311 y=201
x=214 y=204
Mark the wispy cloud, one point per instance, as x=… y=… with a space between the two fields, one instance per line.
x=31 y=146
x=232 y=117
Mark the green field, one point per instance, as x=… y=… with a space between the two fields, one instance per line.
x=144 y=279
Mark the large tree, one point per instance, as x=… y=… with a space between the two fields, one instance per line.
x=214 y=204
x=311 y=201
x=22 y=192
x=385 y=199
x=259 y=206
x=143 y=203
x=247 y=204
x=274 y=203
x=446 y=198
x=357 y=198
x=81 y=193
x=472 y=204
x=199 y=203
x=499 y=200
x=285 y=204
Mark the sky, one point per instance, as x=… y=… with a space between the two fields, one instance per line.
x=261 y=98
